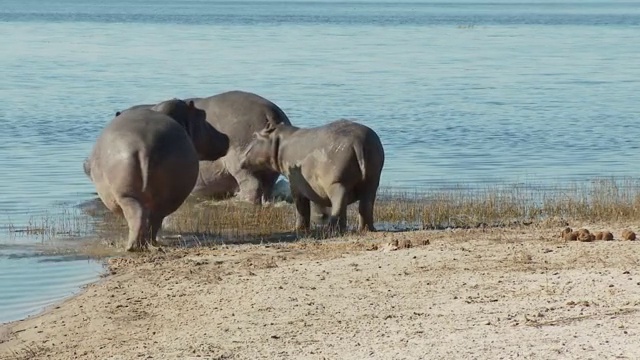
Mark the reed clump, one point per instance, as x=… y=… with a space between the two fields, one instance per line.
x=600 y=200
x=65 y=223
x=231 y=218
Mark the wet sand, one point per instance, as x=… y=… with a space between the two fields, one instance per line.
x=463 y=294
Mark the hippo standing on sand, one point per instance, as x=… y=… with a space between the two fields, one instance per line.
x=332 y=165
x=237 y=114
x=144 y=163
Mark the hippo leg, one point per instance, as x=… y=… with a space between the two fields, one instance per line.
x=365 y=213
x=303 y=211
x=249 y=185
x=366 y=202
x=138 y=220
x=319 y=214
x=155 y=221
x=342 y=221
x=267 y=182
x=338 y=218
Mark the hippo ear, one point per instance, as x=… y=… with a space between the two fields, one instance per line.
x=191 y=107
x=264 y=133
x=268 y=129
x=118 y=113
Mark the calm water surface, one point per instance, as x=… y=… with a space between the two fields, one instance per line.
x=461 y=92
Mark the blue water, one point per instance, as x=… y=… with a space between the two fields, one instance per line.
x=476 y=92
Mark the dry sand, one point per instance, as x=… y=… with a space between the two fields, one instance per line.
x=468 y=294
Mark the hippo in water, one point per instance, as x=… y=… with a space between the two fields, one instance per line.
x=332 y=165
x=144 y=163
x=237 y=114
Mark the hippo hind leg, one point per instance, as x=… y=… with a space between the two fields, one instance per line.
x=366 y=202
x=267 y=181
x=249 y=186
x=365 y=213
x=338 y=218
x=155 y=222
x=303 y=211
x=319 y=214
x=138 y=220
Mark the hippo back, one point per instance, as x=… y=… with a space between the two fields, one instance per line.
x=155 y=133
x=239 y=114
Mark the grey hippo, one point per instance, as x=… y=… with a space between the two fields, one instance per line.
x=145 y=163
x=237 y=114
x=332 y=165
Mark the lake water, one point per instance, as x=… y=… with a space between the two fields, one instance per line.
x=467 y=92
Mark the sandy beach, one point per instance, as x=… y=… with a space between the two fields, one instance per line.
x=501 y=293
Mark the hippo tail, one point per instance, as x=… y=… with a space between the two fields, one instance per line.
x=361 y=161
x=143 y=161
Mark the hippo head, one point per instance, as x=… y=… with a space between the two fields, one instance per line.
x=186 y=114
x=208 y=141
x=262 y=152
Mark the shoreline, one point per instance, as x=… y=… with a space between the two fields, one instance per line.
x=35 y=279
x=79 y=290
x=490 y=292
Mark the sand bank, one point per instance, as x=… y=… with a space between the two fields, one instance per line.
x=467 y=294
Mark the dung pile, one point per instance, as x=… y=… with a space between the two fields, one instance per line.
x=585 y=235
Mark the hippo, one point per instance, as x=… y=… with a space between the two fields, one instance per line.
x=237 y=114
x=332 y=165
x=145 y=163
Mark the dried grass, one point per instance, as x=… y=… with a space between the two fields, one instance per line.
x=200 y=222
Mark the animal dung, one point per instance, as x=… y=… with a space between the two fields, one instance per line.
x=396 y=245
x=628 y=235
x=585 y=236
x=572 y=236
x=583 y=231
x=404 y=244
